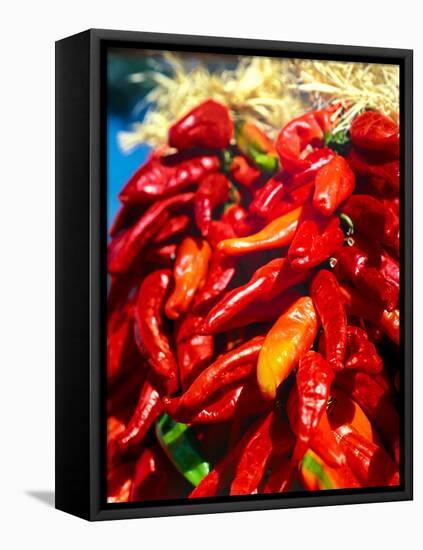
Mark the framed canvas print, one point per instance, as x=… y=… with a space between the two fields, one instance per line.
x=233 y=274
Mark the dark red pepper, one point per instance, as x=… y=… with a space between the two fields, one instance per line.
x=212 y=191
x=374 y=131
x=334 y=183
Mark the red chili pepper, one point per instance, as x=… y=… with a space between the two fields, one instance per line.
x=212 y=191
x=361 y=353
x=177 y=225
x=126 y=248
x=161 y=256
x=228 y=369
x=126 y=216
x=244 y=172
x=314 y=379
x=221 y=270
x=120 y=340
x=352 y=264
x=162 y=176
x=315 y=240
x=292 y=199
x=252 y=462
x=316 y=159
x=269 y=196
x=268 y=282
x=238 y=218
x=327 y=299
x=383 y=175
x=194 y=350
x=147 y=410
x=221 y=409
x=280 y=477
x=208 y=126
x=119 y=483
x=152 y=339
x=375 y=132
x=323 y=443
x=334 y=183
x=308 y=129
x=190 y=271
x=376 y=402
x=387 y=321
x=368 y=461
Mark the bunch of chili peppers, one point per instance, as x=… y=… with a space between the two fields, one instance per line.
x=253 y=310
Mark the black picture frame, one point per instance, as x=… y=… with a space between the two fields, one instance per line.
x=81 y=281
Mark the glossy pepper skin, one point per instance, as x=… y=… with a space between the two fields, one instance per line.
x=314 y=379
x=375 y=132
x=147 y=410
x=119 y=340
x=194 y=350
x=230 y=368
x=292 y=198
x=327 y=299
x=256 y=145
x=189 y=273
x=323 y=442
x=387 y=321
x=252 y=462
x=308 y=129
x=152 y=339
x=176 y=226
x=166 y=175
x=126 y=248
x=353 y=264
x=269 y=196
x=316 y=475
x=244 y=172
x=266 y=284
x=207 y=126
x=361 y=353
x=221 y=271
x=212 y=191
x=277 y=233
x=314 y=242
x=334 y=183
x=286 y=343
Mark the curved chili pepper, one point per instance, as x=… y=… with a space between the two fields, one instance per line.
x=161 y=256
x=190 y=270
x=238 y=218
x=314 y=242
x=308 y=129
x=343 y=411
x=119 y=483
x=286 y=343
x=268 y=282
x=277 y=233
x=327 y=300
x=269 y=196
x=291 y=199
x=221 y=270
x=207 y=126
x=152 y=340
x=126 y=216
x=175 y=226
x=252 y=462
x=361 y=353
x=334 y=183
x=220 y=410
x=352 y=264
x=383 y=176
x=316 y=159
x=323 y=442
x=244 y=172
x=228 y=369
x=387 y=321
x=162 y=176
x=376 y=402
x=212 y=191
x=369 y=462
x=126 y=248
x=147 y=410
x=256 y=145
x=120 y=340
x=376 y=132
x=314 y=379
x=194 y=350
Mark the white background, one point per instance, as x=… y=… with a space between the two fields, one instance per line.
x=28 y=32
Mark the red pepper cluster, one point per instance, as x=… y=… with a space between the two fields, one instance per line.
x=253 y=316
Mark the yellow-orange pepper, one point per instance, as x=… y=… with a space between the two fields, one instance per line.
x=286 y=342
x=190 y=270
x=279 y=232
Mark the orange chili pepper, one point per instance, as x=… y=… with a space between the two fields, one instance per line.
x=279 y=232
x=286 y=342
x=190 y=270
